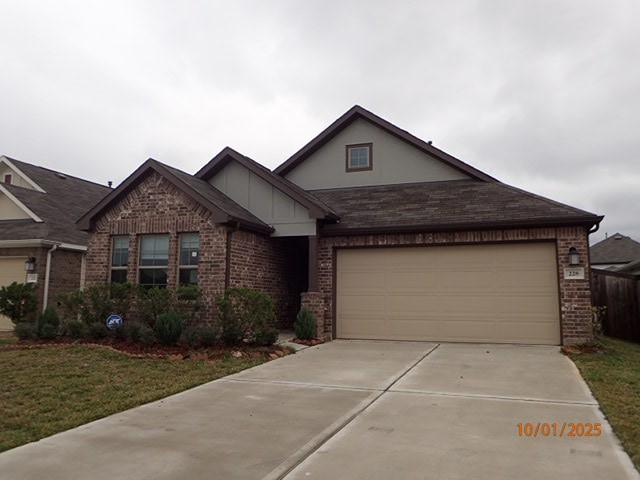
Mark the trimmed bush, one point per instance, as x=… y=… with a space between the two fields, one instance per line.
x=208 y=336
x=147 y=336
x=305 y=325
x=168 y=328
x=76 y=329
x=153 y=302
x=25 y=330
x=18 y=302
x=48 y=323
x=199 y=336
x=132 y=331
x=246 y=316
x=97 y=331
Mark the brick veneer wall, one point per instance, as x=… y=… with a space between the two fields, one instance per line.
x=155 y=206
x=65 y=273
x=264 y=264
x=575 y=295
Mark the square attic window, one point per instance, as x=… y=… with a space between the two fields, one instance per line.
x=359 y=157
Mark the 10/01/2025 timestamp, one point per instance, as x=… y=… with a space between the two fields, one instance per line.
x=559 y=429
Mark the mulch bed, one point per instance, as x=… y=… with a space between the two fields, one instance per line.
x=177 y=352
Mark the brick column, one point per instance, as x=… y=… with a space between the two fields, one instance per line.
x=314 y=302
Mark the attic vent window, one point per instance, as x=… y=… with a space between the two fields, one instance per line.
x=7 y=179
x=359 y=157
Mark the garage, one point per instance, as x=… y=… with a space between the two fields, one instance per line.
x=498 y=293
x=11 y=270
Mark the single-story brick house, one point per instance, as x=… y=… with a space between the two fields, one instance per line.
x=39 y=240
x=380 y=234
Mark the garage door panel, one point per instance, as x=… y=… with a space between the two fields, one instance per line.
x=485 y=293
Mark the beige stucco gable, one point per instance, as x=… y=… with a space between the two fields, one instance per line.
x=287 y=216
x=9 y=210
x=394 y=161
x=17 y=177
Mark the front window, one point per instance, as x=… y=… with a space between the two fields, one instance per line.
x=119 y=259
x=189 y=256
x=359 y=157
x=154 y=260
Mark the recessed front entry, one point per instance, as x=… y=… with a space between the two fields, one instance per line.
x=505 y=293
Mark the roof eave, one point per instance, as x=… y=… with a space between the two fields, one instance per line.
x=337 y=230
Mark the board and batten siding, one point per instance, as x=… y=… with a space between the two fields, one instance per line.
x=285 y=215
x=394 y=161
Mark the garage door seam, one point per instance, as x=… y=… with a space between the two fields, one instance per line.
x=299 y=461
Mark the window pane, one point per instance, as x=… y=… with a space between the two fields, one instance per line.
x=118 y=276
x=156 y=277
x=120 y=254
x=154 y=250
x=358 y=157
x=188 y=276
x=189 y=249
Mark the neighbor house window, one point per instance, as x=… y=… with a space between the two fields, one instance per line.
x=189 y=255
x=359 y=157
x=119 y=259
x=154 y=260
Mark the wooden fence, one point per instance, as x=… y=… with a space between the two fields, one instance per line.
x=620 y=294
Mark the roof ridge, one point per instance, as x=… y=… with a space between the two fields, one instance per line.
x=56 y=172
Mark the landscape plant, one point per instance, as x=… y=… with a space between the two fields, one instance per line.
x=18 y=302
x=305 y=325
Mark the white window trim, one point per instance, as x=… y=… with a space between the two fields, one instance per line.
x=21 y=174
x=152 y=267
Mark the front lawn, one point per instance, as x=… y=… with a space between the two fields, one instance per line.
x=45 y=390
x=614 y=378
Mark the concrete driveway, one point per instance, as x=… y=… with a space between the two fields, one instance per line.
x=350 y=409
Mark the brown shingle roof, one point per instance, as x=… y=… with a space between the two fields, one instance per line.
x=446 y=205
x=66 y=198
x=615 y=249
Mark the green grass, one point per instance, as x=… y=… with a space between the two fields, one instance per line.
x=47 y=390
x=614 y=378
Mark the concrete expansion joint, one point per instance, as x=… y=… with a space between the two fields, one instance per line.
x=497 y=397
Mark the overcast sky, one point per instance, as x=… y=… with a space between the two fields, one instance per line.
x=544 y=95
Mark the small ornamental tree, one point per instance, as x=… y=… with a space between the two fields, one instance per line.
x=18 y=302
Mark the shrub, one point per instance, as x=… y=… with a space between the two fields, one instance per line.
x=96 y=305
x=305 y=325
x=188 y=301
x=147 y=337
x=246 y=315
x=266 y=335
x=153 y=302
x=70 y=305
x=18 y=302
x=132 y=331
x=199 y=336
x=25 y=330
x=168 y=328
x=97 y=331
x=208 y=336
x=48 y=323
x=75 y=328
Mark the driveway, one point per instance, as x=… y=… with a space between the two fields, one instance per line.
x=350 y=409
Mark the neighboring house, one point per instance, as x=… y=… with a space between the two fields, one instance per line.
x=380 y=234
x=39 y=241
x=615 y=253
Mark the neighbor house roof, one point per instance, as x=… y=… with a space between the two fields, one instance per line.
x=615 y=249
x=223 y=208
x=358 y=112
x=315 y=206
x=445 y=205
x=62 y=198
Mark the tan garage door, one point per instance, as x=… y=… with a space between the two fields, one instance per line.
x=505 y=293
x=11 y=270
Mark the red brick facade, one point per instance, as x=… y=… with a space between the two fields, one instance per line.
x=155 y=206
x=575 y=295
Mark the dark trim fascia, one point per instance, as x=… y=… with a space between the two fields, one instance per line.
x=359 y=112
x=337 y=230
x=86 y=222
x=217 y=163
x=346 y=159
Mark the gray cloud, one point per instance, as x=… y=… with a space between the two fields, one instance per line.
x=544 y=95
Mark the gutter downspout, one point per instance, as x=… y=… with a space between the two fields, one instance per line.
x=47 y=276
